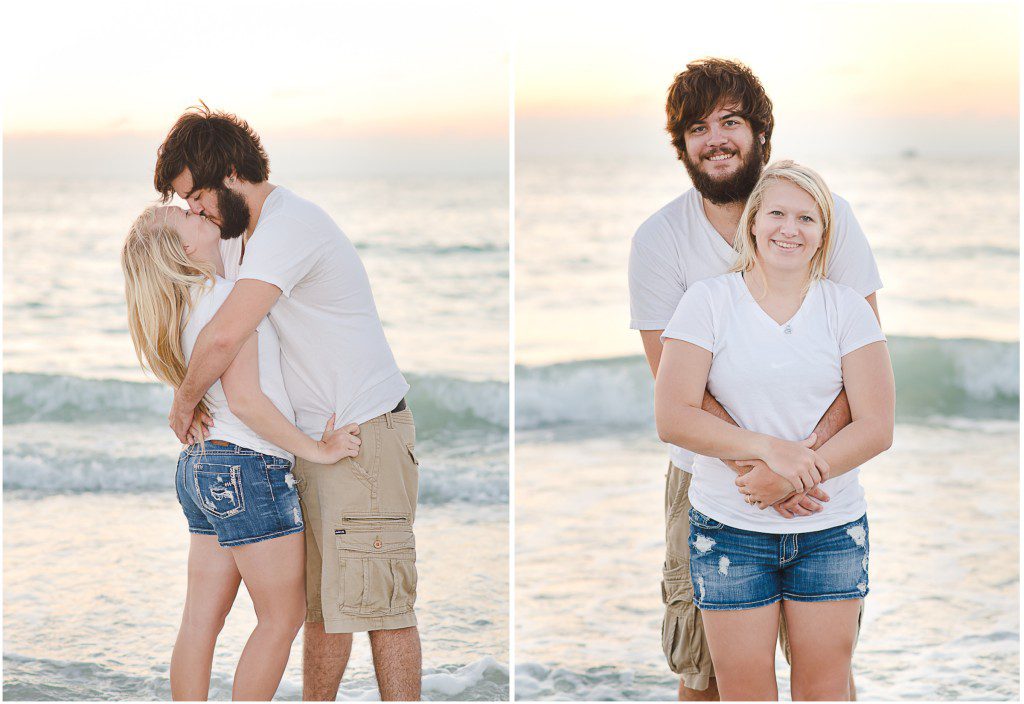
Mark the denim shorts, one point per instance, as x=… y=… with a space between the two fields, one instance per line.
x=742 y=569
x=239 y=495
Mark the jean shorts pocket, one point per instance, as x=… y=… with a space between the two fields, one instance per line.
x=378 y=569
x=704 y=522
x=219 y=489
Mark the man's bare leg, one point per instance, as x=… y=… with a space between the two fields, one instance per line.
x=699 y=695
x=398 y=663
x=324 y=657
x=853 y=688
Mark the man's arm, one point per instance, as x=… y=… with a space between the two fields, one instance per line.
x=217 y=345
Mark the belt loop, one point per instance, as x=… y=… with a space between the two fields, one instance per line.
x=389 y=420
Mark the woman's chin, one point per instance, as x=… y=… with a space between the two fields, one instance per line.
x=786 y=265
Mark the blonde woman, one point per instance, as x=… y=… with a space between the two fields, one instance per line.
x=775 y=342
x=236 y=488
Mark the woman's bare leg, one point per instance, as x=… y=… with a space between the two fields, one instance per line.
x=212 y=585
x=742 y=645
x=274 y=573
x=821 y=637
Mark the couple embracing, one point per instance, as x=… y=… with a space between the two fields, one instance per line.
x=754 y=294
x=255 y=307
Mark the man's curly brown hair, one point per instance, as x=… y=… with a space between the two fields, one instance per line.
x=210 y=144
x=708 y=83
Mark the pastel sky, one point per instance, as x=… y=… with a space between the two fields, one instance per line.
x=937 y=77
x=338 y=87
x=403 y=83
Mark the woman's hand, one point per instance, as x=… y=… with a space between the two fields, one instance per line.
x=791 y=505
x=338 y=444
x=762 y=487
x=797 y=462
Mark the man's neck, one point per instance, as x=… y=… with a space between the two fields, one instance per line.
x=255 y=200
x=724 y=218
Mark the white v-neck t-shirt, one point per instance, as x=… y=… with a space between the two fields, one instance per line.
x=773 y=379
x=678 y=246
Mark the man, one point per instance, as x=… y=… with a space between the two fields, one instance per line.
x=720 y=120
x=302 y=271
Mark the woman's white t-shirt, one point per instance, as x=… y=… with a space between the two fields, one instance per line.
x=773 y=379
x=226 y=425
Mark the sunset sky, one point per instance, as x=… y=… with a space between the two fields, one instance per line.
x=403 y=84
x=941 y=78
x=418 y=87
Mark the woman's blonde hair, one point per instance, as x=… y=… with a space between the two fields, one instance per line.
x=158 y=282
x=811 y=182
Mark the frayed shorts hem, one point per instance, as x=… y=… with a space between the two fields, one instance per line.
x=358 y=624
x=201 y=531
x=841 y=596
x=740 y=606
x=260 y=538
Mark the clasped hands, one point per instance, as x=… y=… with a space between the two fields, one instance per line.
x=787 y=479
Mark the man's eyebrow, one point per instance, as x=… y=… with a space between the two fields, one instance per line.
x=731 y=115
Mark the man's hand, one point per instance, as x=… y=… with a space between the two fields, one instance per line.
x=186 y=424
x=743 y=468
x=801 y=504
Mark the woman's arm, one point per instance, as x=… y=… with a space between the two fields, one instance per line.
x=241 y=382
x=678 y=396
x=871 y=388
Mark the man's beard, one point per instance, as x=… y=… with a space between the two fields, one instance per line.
x=234 y=213
x=735 y=188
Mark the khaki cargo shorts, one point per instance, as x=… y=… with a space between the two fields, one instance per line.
x=360 y=549
x=682 y=630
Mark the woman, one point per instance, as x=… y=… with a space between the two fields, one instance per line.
x=236 y=488
x=775 y=342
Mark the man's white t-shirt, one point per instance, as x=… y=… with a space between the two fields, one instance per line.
x=227 y=426
x=773 y=379
x=678 y=246
x=335 y=357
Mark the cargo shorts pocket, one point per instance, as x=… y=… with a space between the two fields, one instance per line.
x=219 y=489
x=676 y=585
x=682 y=633
x=377 y=568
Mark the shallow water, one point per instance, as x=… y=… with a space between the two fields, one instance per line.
x=94 y=585
x=942 y=618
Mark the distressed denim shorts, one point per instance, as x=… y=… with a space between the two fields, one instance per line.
x=239 y=495
x=742 y=569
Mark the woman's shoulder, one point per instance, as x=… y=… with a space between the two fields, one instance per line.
x=840 y=295
x=208 y=297
x=717 y=287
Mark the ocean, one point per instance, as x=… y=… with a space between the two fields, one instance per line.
x=94 y=541
x=942 y=619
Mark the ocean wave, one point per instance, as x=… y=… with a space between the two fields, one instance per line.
x=103 y=459
x=439 y=402
x=541 y=682
x=44 y=679
x=964 y=378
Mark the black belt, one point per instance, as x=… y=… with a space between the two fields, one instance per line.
x=400 y=407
